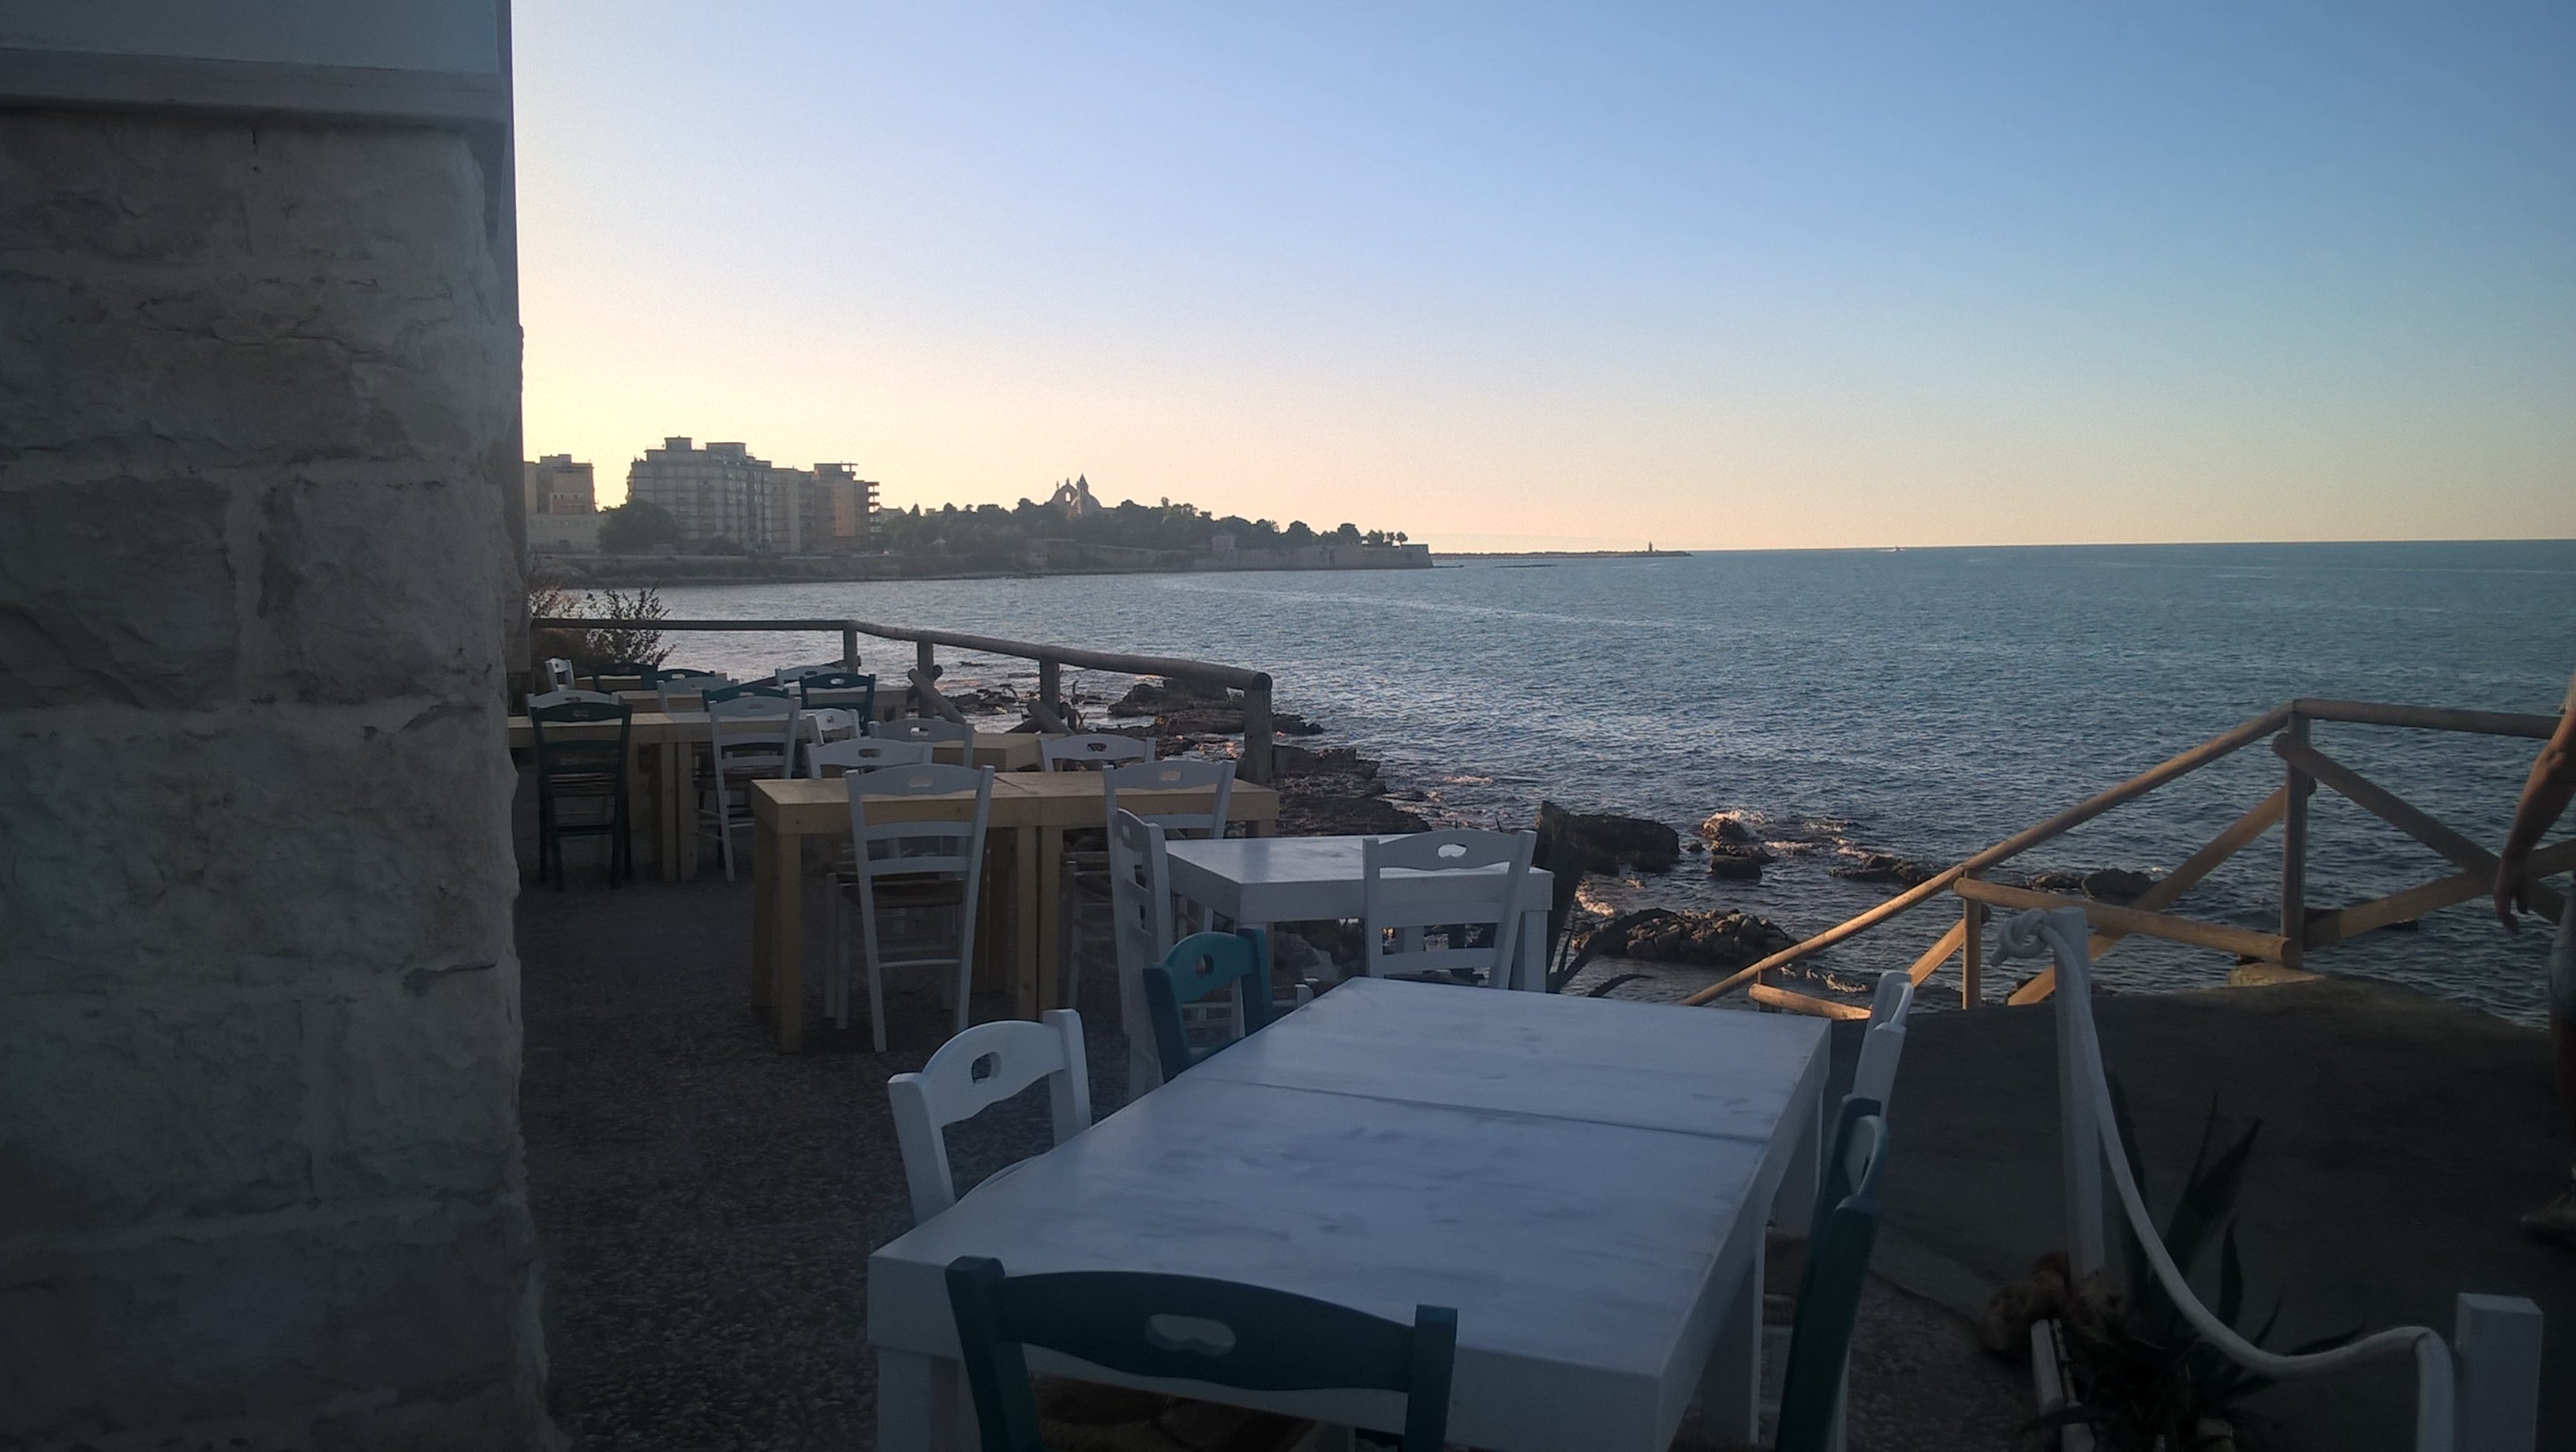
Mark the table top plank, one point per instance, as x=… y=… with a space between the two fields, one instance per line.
x=1596 y=1060
x=1307 y=879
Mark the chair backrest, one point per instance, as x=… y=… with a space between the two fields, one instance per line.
x=671 y=685
x=973 y=1072
x=946 y=844
x=1177 y=774
x=558 y=674
x=862 y=753
x=586 y=753
x=1187 y=1328
x=1443 y=878
x=753 y=690
x=568 y=696
x=790 y=675
x=1883 y=1042
x=752 y=733
x=1199 y=965
x=1140 y=933
x=642 y=673
x=1829 y=1288
x=923 y=728
x=846 y=689
x=1091 y=749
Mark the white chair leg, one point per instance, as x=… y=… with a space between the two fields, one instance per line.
x=724 y=825
x=876 y=977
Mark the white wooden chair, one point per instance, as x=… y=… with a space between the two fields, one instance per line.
x=563 y=694
x=863 y=753
x=1140 y=932
x=790 y=675
x=1091 y=749
x=1440 y=880
x=1177 y=774
x=559 y=674
x=684 y=688
x=933 y=865
x=930 y=729
x=1883 y=1042
x=748 y=738
x=979 y=1068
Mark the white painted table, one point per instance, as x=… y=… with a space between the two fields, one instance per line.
x=1257 y=881
x=1585 y=1180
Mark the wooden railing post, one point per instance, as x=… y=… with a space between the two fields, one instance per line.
x=2294 y=851
x=1050 y=696
x=849 y=649
x=1257 y=732
x=925 y=671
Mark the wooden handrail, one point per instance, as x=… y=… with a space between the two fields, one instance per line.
x=2307 y=769
x=2429 y=718
x=1258 y=743
x=2065 y=821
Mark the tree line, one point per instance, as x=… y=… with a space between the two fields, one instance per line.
x=989 y=533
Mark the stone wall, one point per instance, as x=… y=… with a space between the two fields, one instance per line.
x=260 y=1167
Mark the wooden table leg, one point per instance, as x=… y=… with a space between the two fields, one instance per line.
x=1024 y=923
x=1730 y=1387
x=673 y=791
x=921 y=1403
x=764 y=920
x=1051 y=911
x=782 y=860
x=685 y=820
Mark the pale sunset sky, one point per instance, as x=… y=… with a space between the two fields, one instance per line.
x=1579 y=275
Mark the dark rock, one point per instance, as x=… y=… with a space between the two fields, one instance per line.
x=1728 y=828
x=1604 y=843
x=1150 y=697
x=1301 y=816
x=2108 y=884
x=1736 y=864
x=1724 y=940
x=1862 y=865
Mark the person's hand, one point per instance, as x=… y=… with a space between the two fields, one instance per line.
x=2512 y=876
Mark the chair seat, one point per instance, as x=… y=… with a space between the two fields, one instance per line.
x=1082 y=1416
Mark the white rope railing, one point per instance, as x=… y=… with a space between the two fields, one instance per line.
x=2093 y=1140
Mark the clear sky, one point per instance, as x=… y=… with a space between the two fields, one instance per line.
x=1584 y=275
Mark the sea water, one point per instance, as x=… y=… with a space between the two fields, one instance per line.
x=1922 y=702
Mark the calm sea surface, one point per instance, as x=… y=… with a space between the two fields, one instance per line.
x=1927 y=703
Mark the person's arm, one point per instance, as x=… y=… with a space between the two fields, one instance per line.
x=2545 y=794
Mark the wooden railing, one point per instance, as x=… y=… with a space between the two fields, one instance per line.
x=2306 y=769
x=1051 y=661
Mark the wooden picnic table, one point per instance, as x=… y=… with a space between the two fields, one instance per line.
x=659 y=772
x=1025 y=828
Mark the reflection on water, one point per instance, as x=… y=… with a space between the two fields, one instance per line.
x=1925 y=703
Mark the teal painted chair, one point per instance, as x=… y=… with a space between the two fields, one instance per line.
x=1198 y=966
x=715 y=694
x=1192 y=1329
x=1838 y=1247
x=586 y=765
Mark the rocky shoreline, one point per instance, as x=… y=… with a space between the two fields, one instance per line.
x=1336 y=790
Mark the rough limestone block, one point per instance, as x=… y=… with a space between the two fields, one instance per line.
x=252 y=847
x=168 y=639
x=375 y=590
x=400 y=1089
x=261 y=1333
x=174 y=1110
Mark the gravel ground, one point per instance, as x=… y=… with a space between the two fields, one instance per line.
x=706 y=1205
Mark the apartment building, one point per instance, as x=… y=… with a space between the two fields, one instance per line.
x=725 y=492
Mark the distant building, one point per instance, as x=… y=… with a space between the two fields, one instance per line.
x=719 y=492
x=565 y=534
x=1073 y=499
x=557 y=485
x=724 y=492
